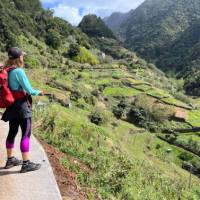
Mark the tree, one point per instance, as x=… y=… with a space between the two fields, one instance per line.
x=74 y=50
x=95 y=27
x=53 y=39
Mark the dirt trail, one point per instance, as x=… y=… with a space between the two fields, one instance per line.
x=66 y=180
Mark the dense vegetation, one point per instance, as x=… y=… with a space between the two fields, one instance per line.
x=107 y=109
x=95 y=27
x=167 y=33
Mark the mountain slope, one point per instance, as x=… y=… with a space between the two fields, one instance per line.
x=115 y=21
x=94 y=26
x=155 y=23
x=167 y=33
x=106 y=114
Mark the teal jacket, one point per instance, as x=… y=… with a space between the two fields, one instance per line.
x=20 y=82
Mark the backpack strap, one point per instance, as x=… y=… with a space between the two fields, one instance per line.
x=9 y=68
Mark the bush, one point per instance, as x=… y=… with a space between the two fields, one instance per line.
x=158 y=112
x=32 y=62
x=161 y=112
x=11 y=40
x=99 y=116
x=185 y=156
x=85 y=56
x=74 y=50
x=142 y=118
x=120 y=109
x=75 y=95
x=180 y=96
x=180 y=84
x=53 y=39
x=144 y=102
x=117 y=75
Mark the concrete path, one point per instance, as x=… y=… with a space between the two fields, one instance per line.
x=38 y=185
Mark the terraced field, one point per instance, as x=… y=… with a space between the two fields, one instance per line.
x=122 y=135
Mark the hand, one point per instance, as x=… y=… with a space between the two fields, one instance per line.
x=41 y=93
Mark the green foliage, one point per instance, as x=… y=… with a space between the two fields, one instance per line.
x=85 y=56
x=32 y=61
x=167 y=33
x=162 y=112
x=74 y=50
x=112 y=173
x=53 y=39
x=11 y=40
x=117 y=75
x=180 y=96
x=120 y=109
x=99 y=116
x=95 y=27
x=185 y=156
x=193 y=117
x=120 y=92
x=148 y=114
x=26 y=6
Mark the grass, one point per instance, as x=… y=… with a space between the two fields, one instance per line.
x=187 y=138
x=105 y=81
x=175 y=102
x=111 y=151
x=120 y=91
x=133 y=81
x=143 y=87
x=194 y=117
x=158 y=93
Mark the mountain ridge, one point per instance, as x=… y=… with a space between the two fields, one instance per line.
x=160 y=31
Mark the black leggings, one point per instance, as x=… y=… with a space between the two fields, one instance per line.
x=25 y=125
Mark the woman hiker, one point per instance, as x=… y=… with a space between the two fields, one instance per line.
x=20 y=112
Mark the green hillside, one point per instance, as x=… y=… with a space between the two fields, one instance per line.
x=166 y=33
x=112 y=111
x=115 y=20
x=94 y=26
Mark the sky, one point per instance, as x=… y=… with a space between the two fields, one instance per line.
x=74 y=10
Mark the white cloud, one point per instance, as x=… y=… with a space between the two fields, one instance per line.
x=70 y=14
x=116 y=5
x=74 y=10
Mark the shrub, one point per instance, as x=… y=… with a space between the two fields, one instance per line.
x=158 y=112
x=53 y=39
x=32 y=62
x=74 y=50
x=117 y=75
x=180 y=84
x=144 y=102
x=142 y=118
x=120 y=109
x=180 y=96
x=99 y=116
x=158 y=146
x=85 y=56
x=162 y=112
x=75 y=95
x=185 y=156
x=11 y=40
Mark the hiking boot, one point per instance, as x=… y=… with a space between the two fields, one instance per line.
x=29 y=166
x=12 y=162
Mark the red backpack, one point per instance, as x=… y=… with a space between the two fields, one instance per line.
x=7 y=97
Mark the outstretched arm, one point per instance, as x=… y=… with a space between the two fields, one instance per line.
x=25 y=84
